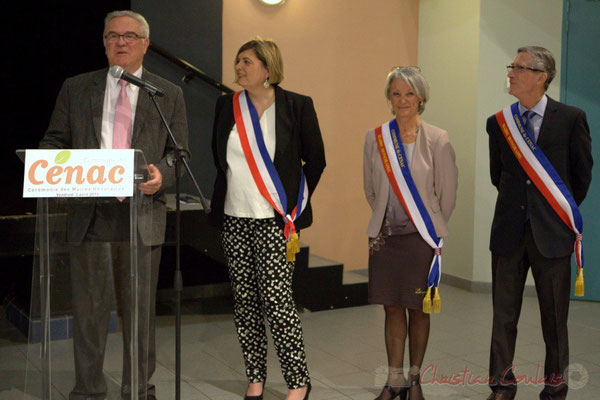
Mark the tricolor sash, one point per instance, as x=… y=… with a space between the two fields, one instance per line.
x=541 y=172
x=263 y=170
x=395 y=165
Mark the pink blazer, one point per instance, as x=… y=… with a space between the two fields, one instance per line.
x=433 y=168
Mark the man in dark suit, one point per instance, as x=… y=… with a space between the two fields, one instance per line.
x=526 y=231
x=87 y=109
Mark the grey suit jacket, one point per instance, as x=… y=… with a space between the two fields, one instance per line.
x=434 y=172
x=76 y=123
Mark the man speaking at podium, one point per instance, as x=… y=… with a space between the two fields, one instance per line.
x=95 y=110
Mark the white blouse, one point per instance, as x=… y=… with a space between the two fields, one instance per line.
x=243 y=198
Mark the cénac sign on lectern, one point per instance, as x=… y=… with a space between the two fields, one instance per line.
x=79 y=173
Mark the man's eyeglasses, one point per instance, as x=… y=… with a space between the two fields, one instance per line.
x=129 y=37
x=520 y=68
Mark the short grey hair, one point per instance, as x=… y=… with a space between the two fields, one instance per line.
x=413 y=78
x=132 y=14
x=541 y=58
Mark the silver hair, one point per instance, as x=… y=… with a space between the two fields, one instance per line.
x=413 y=78
x=541 y=58
x=127 y=13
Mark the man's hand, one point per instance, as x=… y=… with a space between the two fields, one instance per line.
x=153 y=185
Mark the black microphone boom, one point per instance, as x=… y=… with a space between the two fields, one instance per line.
x=120 y=73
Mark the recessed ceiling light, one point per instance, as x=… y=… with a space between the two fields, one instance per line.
x=272 y=2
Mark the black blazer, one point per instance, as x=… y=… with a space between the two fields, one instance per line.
x=298 y=141
x=565 y=140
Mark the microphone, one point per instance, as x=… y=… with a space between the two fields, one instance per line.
x=120 y=73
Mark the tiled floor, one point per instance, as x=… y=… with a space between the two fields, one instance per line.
x=345 y=351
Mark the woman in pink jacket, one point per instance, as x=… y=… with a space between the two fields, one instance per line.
x=399 y=255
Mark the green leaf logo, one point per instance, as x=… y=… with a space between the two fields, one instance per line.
x=62 y=157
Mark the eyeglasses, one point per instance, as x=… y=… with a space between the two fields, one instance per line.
x=129 y=37
x=401 y=67
x=520 y=68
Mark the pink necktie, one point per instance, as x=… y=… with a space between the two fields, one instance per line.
x=122 y=122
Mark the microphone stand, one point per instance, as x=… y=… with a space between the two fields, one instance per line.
x=177 y=157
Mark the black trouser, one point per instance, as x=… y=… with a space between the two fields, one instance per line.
x=100 y=274
x=552 y=283
x=261 y=280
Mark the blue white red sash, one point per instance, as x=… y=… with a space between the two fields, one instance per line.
x=396 y=167
x=263 y=170
x=546 y=179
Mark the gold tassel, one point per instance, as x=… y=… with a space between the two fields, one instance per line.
x=292 y=247
x=437 y=301
x=289 y=253
x=295 y=242
x=579 y=286
x=427 y=302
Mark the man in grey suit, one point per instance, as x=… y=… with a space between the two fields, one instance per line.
x=526 y=231
x=85 y=114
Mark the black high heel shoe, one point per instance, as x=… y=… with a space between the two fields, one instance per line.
x=260 y=396
x=400 y=393
x=416 y=382
x=307 y=391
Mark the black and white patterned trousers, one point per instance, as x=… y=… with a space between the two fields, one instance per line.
x=261 y=280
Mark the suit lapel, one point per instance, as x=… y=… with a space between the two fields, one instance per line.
x=141 y=112
x=283 y=123
x=97 y=102
x=548 y=122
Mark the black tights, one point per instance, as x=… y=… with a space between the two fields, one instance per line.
x=396 y=323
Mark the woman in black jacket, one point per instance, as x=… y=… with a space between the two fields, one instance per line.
x=269 y=156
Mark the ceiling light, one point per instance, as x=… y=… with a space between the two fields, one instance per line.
x=272 y=2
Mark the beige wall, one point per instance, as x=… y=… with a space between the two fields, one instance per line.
x=448 y=56
x=464 y=46
x=339 y=53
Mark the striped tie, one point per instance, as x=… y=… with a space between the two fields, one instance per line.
x=528 y=119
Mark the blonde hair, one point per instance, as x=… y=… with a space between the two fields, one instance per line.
x=268 y=53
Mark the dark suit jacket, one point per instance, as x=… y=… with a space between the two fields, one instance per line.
x=565 y=140
x=297 y=141
x=76 y=123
